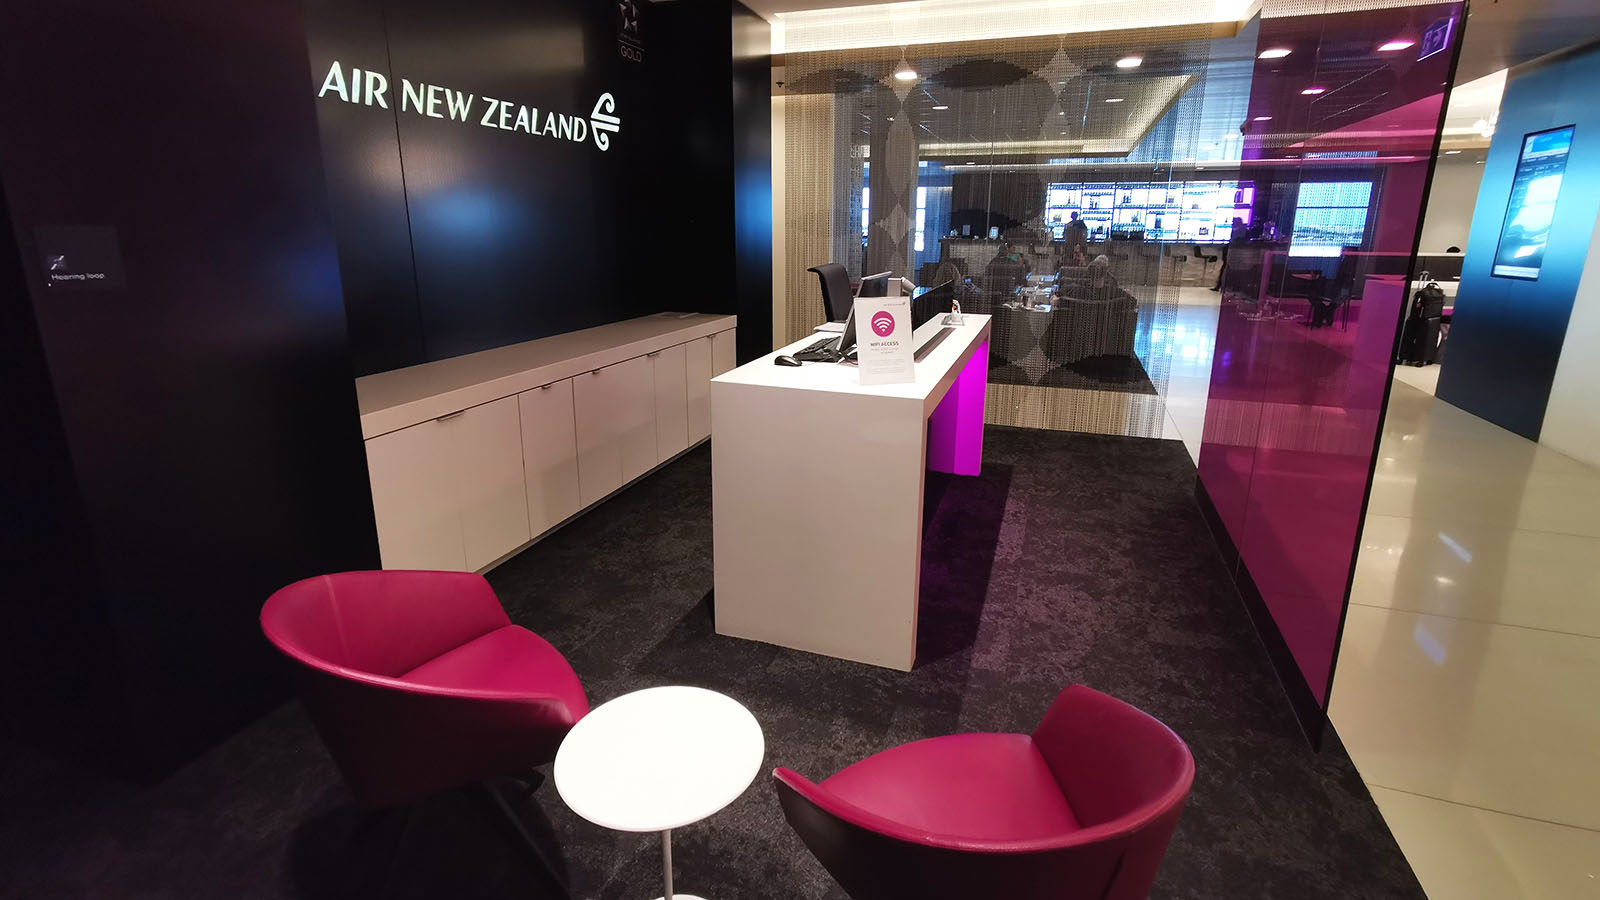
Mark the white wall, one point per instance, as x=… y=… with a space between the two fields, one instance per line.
x=1572 y=420
x=1450 y=202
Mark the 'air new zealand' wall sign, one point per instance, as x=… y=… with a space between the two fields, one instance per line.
x=370 y=88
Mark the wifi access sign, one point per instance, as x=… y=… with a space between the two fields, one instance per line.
x=884 y=352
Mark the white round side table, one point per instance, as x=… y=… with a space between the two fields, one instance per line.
x=659 y=759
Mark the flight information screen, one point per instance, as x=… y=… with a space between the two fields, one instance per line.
x=1330 y=216
x=1532 y=206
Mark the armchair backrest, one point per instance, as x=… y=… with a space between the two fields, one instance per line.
x=352 y=635
x=380 y=623
x=1121 y=770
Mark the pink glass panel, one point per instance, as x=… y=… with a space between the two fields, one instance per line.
x=1294 y=410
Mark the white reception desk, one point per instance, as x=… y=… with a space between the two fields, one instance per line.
x=817 y=486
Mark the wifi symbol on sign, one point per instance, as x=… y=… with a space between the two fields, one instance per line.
x=882 y=323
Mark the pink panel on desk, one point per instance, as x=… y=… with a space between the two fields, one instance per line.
x=955 y=430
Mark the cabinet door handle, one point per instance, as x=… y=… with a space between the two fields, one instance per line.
x=546 y=387
x=449 y=415
x=653 y=355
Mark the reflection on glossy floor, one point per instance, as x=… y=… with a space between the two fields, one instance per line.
x=1466 y=685
x=1179 y=359
x=1423 y=378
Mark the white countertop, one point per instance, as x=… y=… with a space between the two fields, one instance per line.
x=400 y=398
x=844 y=378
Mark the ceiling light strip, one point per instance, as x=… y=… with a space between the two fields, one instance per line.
x=944 y=21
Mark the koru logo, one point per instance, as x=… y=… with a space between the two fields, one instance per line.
x=883 y=323
x=604 y=124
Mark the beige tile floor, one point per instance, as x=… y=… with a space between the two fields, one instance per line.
x=1468 y=684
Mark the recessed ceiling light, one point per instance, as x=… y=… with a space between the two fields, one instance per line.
x=1275 y=53
x=1263 y=118
x=891 y=118
x=1399 y=44
x=1313 y=91
x=1113 y=99
x=1130 y=62
x=971 y=163
x=1451 y=152
x=941 y=107
x=905 y=73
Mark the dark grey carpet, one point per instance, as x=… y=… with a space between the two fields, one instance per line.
x=1074 y=558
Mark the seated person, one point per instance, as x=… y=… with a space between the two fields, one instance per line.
x=1102 y=283
x=1006 y=272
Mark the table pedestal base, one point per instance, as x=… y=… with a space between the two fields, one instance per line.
x=666 y=869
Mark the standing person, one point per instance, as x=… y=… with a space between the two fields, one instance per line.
x=1236 y=236
x=1076 y=234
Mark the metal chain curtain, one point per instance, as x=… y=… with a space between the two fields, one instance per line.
x=971 y=145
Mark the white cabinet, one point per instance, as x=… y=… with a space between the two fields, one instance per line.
x=450 y=494
x=672 y=401
x=465 y=489
x=635 y=415
x=723 y=352
x=614 y=410
x=486 y=445
x=599 y=453
x=697 y=355
x=549 y=455
x=414 y=499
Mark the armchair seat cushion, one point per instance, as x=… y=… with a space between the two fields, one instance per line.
x=978 y=787
x=510 y=659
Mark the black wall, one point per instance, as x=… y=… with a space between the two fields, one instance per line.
x=455 y=237
x=189 y=441
x=752 y=169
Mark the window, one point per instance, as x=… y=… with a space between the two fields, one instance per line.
x=922 y=216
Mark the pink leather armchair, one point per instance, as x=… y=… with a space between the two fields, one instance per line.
x=1082 y=808
x=419 y=683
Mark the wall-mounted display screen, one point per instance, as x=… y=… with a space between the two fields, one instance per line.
x=1329 y=217
x=1200 y=212
x=1532 y=206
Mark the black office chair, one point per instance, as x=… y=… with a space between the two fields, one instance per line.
x=836 y=296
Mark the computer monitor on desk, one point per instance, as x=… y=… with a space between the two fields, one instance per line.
x=874 y=285
x=928 y=303
x=925 y=306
